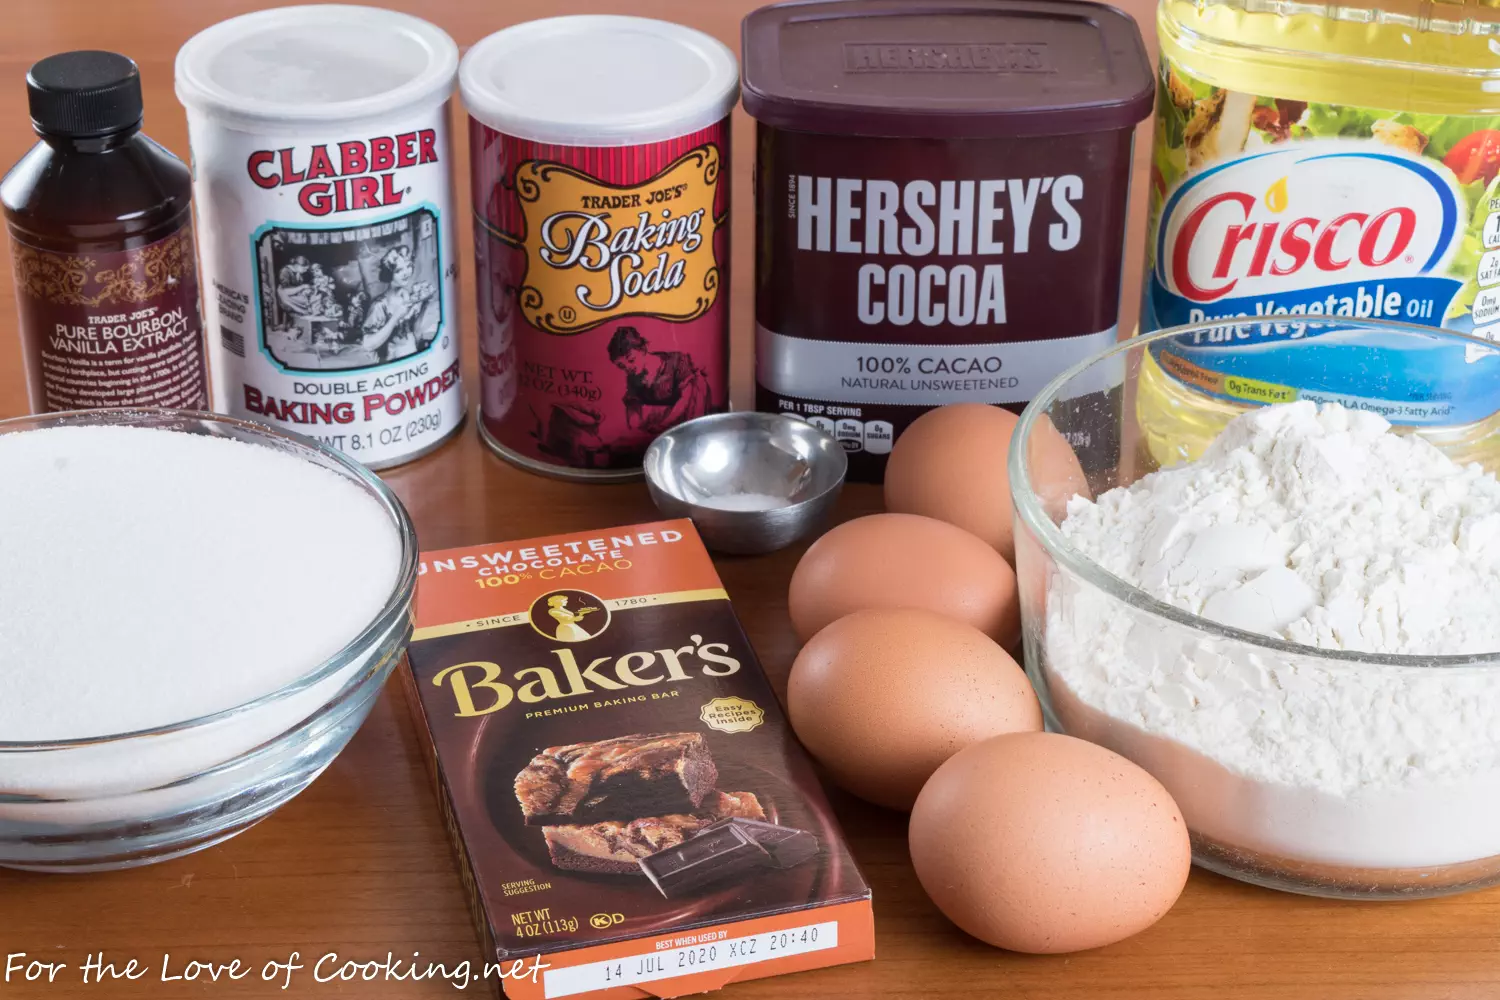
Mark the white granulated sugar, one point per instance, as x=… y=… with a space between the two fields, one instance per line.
x=149 y=577
x=1321 y=527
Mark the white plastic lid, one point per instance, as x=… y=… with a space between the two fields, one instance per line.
x=599 y=80
x=311 y=65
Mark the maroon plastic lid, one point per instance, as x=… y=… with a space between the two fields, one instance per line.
x=947 y=69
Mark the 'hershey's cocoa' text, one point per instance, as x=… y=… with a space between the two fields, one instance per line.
x=923 y=218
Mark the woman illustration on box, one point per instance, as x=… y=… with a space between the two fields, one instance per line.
x=568 y=629
x=662 y=388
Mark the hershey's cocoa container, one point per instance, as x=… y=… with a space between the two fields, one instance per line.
x=941 y=197
x=323 y=180
x=599 y=151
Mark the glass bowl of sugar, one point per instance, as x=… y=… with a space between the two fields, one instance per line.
x=196 y=615
x=1263 y=562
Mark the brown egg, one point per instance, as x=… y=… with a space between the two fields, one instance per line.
x=882 y=697
x=952 y=464
x=1043 y=843
x=904 y=561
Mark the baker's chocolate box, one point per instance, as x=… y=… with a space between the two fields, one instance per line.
x=625 y=796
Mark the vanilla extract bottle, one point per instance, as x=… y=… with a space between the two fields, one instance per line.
x=101 y=235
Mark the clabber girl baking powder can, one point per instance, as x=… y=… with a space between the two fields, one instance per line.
x=600 y=169
x=324 y=190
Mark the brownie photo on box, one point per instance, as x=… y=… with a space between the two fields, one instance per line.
x=643 y=774
x=643 y=804
x=616 y=846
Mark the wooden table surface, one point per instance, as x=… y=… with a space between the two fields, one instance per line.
x=359 y=866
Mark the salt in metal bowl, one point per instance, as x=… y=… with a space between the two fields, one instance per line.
x=751 y=482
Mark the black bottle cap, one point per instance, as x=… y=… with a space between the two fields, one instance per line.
x=82 y=94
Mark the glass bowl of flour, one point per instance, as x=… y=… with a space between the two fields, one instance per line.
x=1281 y=597
x=196 y=615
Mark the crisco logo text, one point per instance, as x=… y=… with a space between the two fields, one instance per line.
x=344 y=176
x=1304 y=218
x=1284 y=249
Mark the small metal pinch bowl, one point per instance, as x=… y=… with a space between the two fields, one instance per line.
x=751 y=482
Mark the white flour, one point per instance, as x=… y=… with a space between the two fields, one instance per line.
x=1322 y=528
x=149 y=577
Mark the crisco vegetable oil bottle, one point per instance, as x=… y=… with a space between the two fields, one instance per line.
x=1337 y=161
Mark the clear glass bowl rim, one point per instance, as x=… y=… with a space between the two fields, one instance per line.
x=395 y=607
x=1033 y=515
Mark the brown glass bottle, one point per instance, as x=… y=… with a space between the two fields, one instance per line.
x=101 y=238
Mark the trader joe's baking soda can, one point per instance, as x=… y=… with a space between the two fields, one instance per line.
x=600 y=173
x=323 y=181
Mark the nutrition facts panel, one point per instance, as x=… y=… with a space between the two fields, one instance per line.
x=1486 y=306
x=873 y=436
x=727 y=953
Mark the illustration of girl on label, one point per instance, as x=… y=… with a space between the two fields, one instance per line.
x=662 y=388
x=390 y=325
